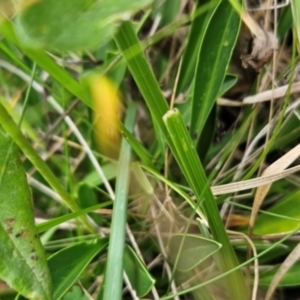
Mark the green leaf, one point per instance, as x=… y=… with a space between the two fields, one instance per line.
x=291 y=278
x=191 y=250
x=23 y=262
x=72 y=25
x=75 y=293
x=93 y=178
x=229 y=81
x=87 y=198
x=213 y=59
x=186 y=107
x=139 y=277
x=14 y=131
x=168 y=10
x=285 y=22
x=282 y=217
x=67 y=264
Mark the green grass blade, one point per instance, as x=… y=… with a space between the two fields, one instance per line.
x=114 y=267
x=59 y=220
x=195 y=175
x=291 y=278
x=213 y=59
x=137 y=63
x=296 y=19
x=196 y=34
x=136 y=146
x=17 y=60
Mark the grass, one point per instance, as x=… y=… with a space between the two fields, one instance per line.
x=158 y=167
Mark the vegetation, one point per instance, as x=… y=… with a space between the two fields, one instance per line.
x=149 y=149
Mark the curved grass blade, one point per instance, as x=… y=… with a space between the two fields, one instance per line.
x=59 y=220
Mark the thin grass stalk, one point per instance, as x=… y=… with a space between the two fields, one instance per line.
x=114 y=267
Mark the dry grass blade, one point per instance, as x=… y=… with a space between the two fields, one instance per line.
x=278 y=166
x=285 y=266
x=262 y=97
x=268 y=95
x=252 y=183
